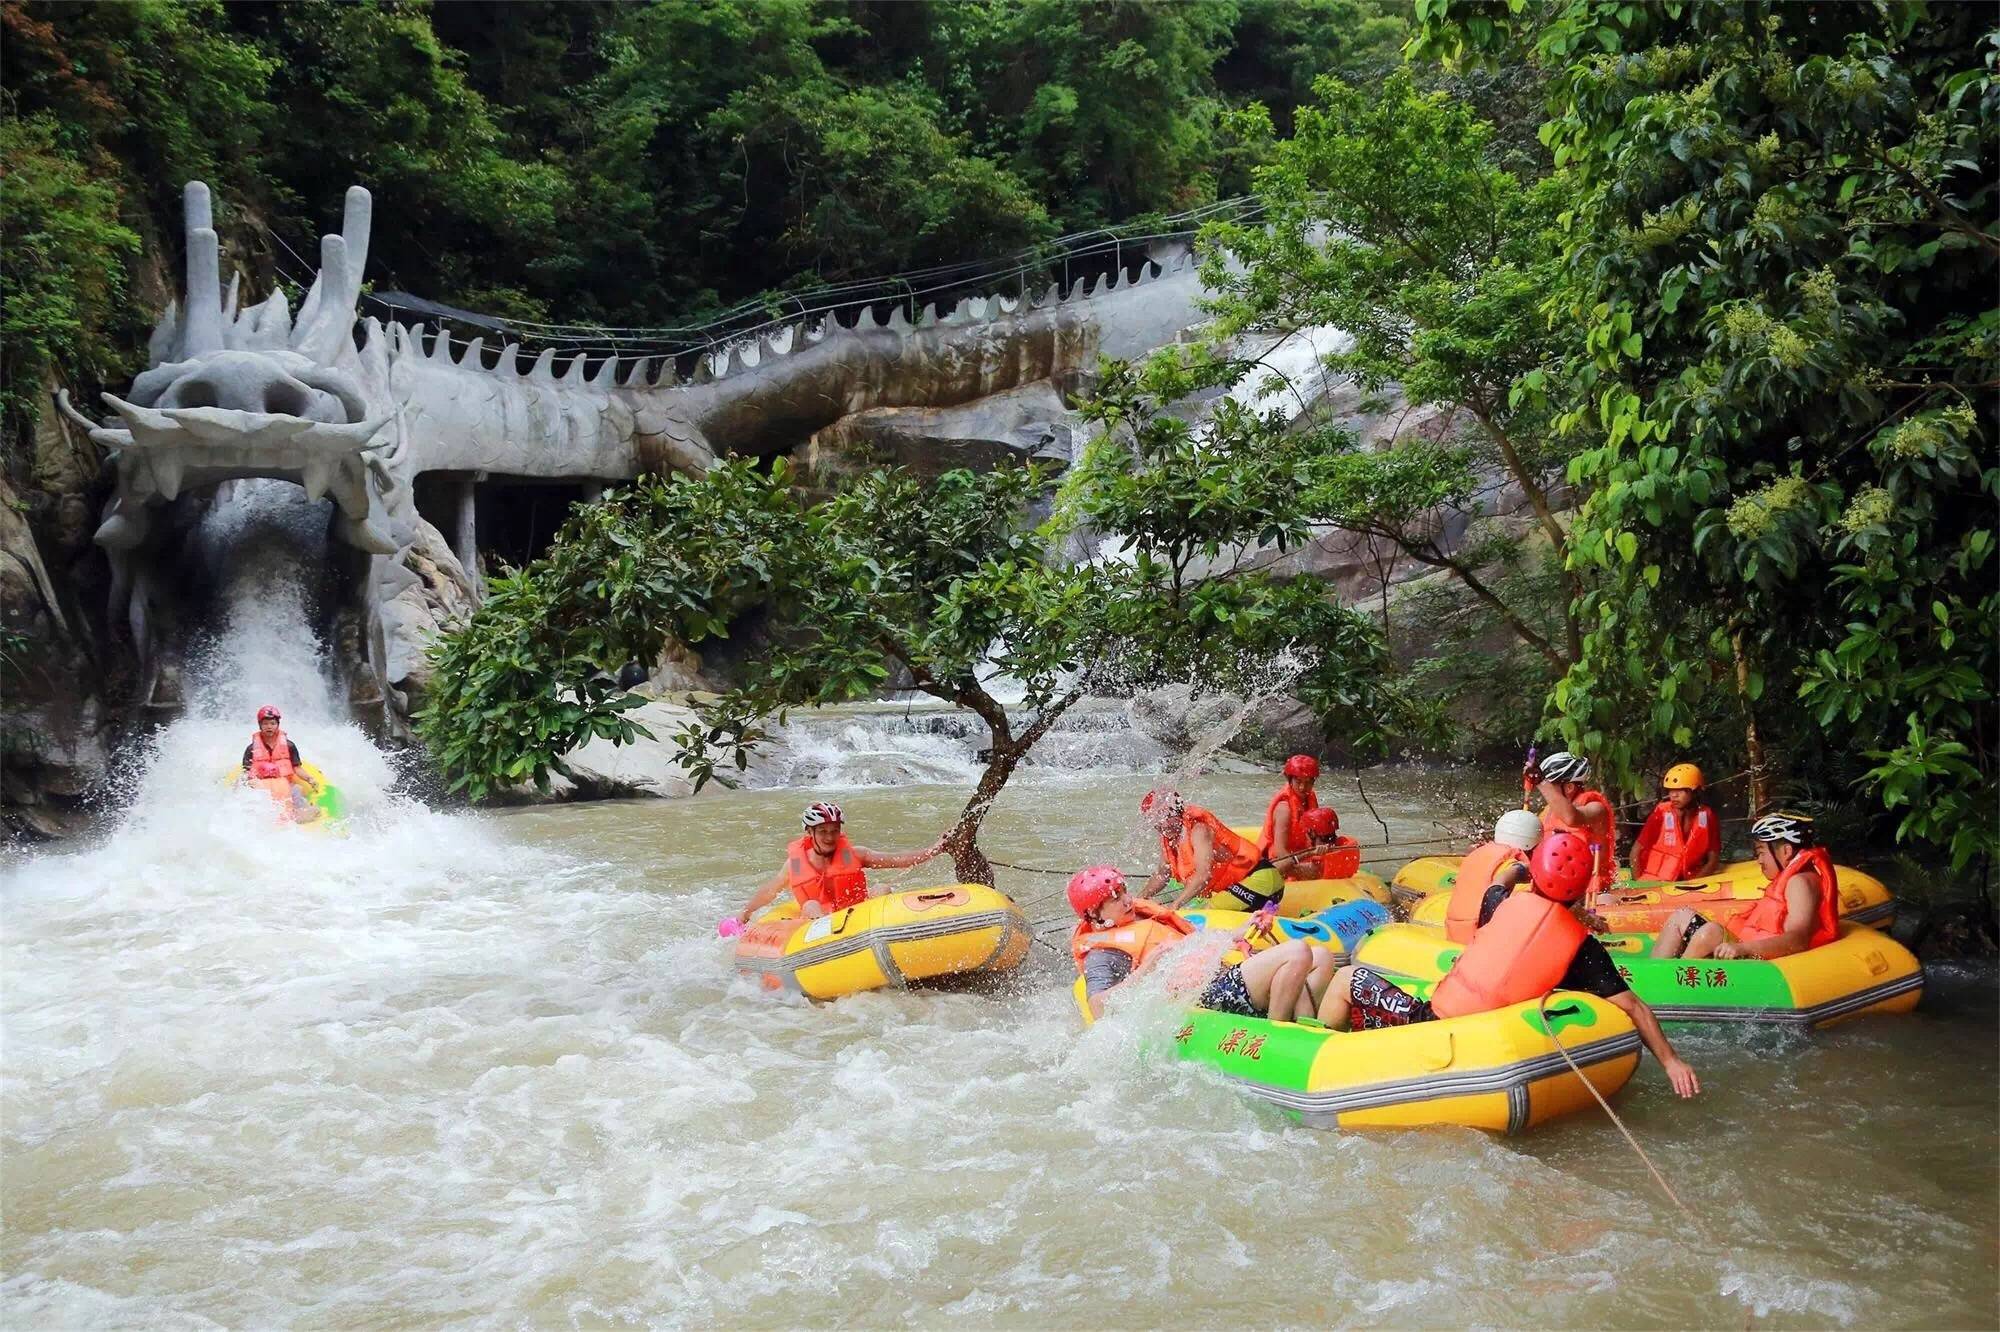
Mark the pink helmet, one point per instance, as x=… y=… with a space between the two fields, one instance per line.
x=1091 y=888
x=269 y=713
x=1561 y=866
x=1320 y=821
x=820 y=811
x=1302 y=765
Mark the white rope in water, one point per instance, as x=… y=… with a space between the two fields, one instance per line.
x=1658 y=1178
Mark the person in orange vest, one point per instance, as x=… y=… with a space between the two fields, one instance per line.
x=272 y=761
x=1800 y=908
x=1514 y=836
x=1682 y=838
x=1527 y=945
x=1284 y=833
x=1118 y=934
x=1326 y=854
x=1207 y=857
x=824 y=870
x=1569 y=805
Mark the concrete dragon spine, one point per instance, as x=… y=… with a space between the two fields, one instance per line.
x=248 y=391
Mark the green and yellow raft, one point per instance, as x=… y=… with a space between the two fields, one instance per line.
x=1422 y=887
x=1500 y=1071
x=1863 y=971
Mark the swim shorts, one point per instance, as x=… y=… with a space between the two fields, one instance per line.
x=1376 y=1003
x=1226 y=993
x=1695 y=922
x=1259 y=888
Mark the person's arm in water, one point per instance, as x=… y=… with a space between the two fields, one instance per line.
x=1592 y=814
x=759 y=899
x=895 y=859
x=1204 y=856
x=1158 y=879
x=1801 y=912
x=1678 y=1072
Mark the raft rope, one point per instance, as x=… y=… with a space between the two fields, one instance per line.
x=1658 y=1178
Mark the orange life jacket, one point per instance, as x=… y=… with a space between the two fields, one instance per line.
x=843 y=883
x=1342 y=860
x=272 y=760
x=1765 y=918
x=1299 y=805
x=1602 y=845
x=1476 y=873
x=1518 y=955
x=1231 y=862
x=1155 y=928
x=1680 y=844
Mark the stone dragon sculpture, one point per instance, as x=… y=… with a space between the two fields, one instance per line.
x=238 y=391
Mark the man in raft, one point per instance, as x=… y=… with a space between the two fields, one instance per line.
x=1284 y=818
x=272 y=761
x=1682 y=838
x=1514 y=836
x=1527 y=945
x=1800 y=908
x=1118 y=934
x=1321 y=827
x=824 y=870
x=1569 y=805
x=1207 y=857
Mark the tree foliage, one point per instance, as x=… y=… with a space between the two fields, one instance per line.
x=1785 y=355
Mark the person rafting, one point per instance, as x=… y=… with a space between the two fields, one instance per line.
x=272 y=761
x=1800 y=908
x=1682 y=838
x=1206 y=856
x=1117 y=935
x=1569 y=805
x=824 y=870
x=1515 y=834
x=1527 y=945
x=1321 y=827
x=1284 y=836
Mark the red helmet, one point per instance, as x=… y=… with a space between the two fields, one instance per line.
x=1320 y=821
x=1561 y=866
x=1091 y=888
x=269 y=713
x=1162 y=806
x=1302 y=765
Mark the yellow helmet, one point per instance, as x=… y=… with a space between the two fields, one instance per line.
x=1682 y=777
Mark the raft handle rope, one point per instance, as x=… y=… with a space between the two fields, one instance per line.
x=1658 y=1178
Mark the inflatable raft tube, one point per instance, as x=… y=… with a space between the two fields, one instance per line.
x=1641 y=907
x=885 y=942
x=1339 y=928
x=1499 y=1071
x=1863 y=971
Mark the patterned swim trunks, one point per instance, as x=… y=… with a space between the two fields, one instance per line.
x=1226 y=993
x=1377 y=1003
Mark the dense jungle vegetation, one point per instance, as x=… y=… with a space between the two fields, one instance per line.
x=1711 y=286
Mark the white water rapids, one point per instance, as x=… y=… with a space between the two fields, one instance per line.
x=493 y=1071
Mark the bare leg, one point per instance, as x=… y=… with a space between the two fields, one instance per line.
x=1276 y=977
x=1669 y=942
x=1333 y=1007
x=1317 y=981
x=1705 y=941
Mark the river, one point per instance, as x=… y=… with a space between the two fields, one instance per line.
x=492 y=1069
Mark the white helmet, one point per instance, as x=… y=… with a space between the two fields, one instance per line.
x=1563 y=766
x=820 y=811
x=1519 y=829
x=1783 y=826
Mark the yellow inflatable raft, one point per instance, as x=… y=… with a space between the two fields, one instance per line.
x=887 y=941
x=1423 y=886
x=1499 y=1071
x=1309 y=897
x=328 y=802
x=1863 y=971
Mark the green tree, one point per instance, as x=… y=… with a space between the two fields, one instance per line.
x=1386 y=218
x=1786 y=335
